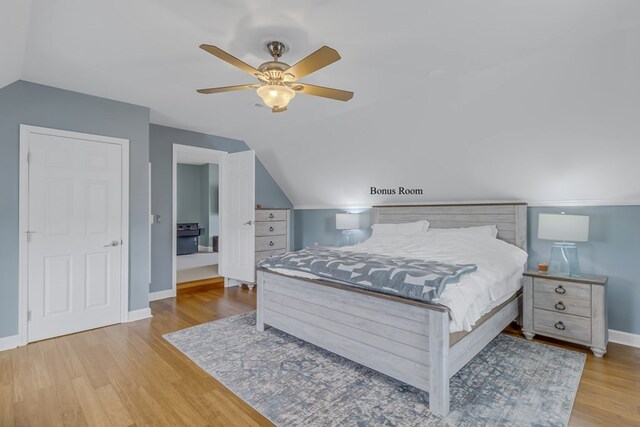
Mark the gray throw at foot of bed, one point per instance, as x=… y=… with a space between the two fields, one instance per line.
x=415 y=279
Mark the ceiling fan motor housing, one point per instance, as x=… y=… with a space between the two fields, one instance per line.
x=273 y=70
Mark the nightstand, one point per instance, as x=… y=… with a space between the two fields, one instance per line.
x=571 y=308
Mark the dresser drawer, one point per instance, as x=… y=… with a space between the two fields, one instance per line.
x=270 y=215
x=562 y=303
x=260 y=255
x=271 y=228
x=270 y=242
x=562 y=325
x=563 y=289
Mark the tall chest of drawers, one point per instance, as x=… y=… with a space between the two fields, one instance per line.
x=568 y=308
x=272 y=232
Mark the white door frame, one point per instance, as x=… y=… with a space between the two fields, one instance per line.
x=23 y=248
x=189 y=154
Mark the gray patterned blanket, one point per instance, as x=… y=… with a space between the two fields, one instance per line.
x=415 y=279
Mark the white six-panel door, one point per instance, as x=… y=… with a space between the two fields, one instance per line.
x=237 y=216
x=75 y=223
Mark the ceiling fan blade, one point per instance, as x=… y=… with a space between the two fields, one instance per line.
x=227 y=88
x=216 y=51
x=317 y=60
x=325 y=92
x=279 y=110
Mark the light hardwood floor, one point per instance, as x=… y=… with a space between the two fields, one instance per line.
x=128 y=375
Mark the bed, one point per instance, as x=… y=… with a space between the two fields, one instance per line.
x=405 y=339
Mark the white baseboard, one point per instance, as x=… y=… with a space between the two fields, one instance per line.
x=7 y=343
x=154 y=296
x=143 y=313
x=625 y=338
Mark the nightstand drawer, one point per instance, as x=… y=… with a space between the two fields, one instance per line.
x=260 y=255
x=563 y=289
x=271 y=215
x=271 y=228
x=562 y=325
x=562 y=303
x=270 y=242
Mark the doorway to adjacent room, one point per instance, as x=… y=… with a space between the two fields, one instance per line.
x=213 y=218
x=198 y=225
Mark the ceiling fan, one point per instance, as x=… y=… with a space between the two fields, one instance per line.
x=278 y=81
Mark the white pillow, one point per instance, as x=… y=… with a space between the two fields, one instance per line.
x=404 y=229
x=486 y=230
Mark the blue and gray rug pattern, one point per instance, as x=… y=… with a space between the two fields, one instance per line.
x=511 y=382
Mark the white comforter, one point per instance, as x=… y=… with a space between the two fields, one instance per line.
x=498 y=276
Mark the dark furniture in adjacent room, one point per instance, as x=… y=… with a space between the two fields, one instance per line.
x=187 y=238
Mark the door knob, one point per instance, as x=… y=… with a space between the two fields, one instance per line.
x=113 y=243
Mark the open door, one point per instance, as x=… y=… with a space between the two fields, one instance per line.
x=237 y=217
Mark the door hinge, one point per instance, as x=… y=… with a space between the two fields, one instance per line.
x=29 y=316
x=29 y=157
x=29 y=234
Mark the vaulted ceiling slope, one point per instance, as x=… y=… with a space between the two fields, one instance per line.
x=469 y=100
x=14 y=28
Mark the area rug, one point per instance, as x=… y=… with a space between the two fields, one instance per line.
x=511 y=382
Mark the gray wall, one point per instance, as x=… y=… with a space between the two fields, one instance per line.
x=318 y=226
x=28 y=103
x=162 y=138
x=212 y=192
x=197 y=187
x=189 y=193
x=613 y=250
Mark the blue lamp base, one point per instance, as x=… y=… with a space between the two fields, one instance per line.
x=564 y=259
x=346 y=238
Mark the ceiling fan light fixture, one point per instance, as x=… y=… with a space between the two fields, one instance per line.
x=279 y=82
x=276 y=96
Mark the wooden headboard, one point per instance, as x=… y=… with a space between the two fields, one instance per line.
x=509 y=218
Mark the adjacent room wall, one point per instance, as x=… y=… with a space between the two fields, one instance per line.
x=613 y=250
x=189 y=189
x=197 y=196
x=32 y=104
x=213 y=193
x=162 y=138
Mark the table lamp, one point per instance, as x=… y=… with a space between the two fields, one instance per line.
x=347 y=222
x=565 y=230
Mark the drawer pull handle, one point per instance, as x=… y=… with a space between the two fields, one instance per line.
x=271 y=228
x=560 y=306
x=271 y=243
x=271 y=216
x=560 y=326
x=561 y=290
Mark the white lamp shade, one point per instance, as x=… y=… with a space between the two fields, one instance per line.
x=563 y=228
x=347 y=221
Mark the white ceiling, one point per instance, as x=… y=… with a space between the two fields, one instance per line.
x=535 y=100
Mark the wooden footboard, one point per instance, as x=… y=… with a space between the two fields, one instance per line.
x=407 y=342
